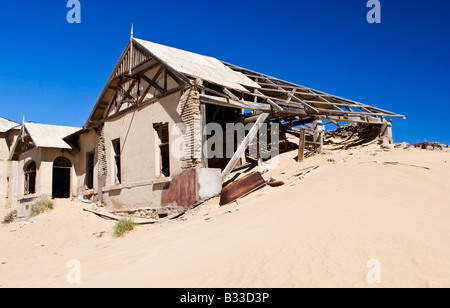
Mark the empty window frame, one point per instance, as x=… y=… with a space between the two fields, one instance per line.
x=163 y=138
x=30 y=178
x=118 y=170
x=90 y=170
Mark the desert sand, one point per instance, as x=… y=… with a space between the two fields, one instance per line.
x=316 y=231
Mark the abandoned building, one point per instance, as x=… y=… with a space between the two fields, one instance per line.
x=9 y=131
x=122 y=157
x=42 y=164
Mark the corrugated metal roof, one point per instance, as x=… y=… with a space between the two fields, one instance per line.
x=199 y=66
x=50 y=136
x=6 y=125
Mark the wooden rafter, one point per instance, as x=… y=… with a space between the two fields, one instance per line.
x=152 y=81
x=310 y=101
x=126 y=95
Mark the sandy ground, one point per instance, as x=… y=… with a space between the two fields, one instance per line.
x=320 y=231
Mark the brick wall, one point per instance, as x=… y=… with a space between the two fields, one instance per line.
x=102 y=163
x=191 y=116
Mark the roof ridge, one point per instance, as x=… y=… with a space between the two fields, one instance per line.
x=42 y=124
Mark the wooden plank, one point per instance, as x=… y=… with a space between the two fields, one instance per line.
x=126 y=94
x=153 y=80
x=271 y=102
x=301 y=146
x=293 y=96
x=145 y=102
x=151 y=85
x=230 y=94
x=226 y=102
x=144 y=94
x=354 y=119
x=244 y=144
x=285 y=85
x=141 y=69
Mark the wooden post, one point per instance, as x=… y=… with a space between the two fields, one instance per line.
x=386 y=131
x=301 y=146
x=317 y=125
x=318 y=134
x=321 y=142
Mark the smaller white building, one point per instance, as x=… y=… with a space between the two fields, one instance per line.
x=9 y=130
x=45 y=163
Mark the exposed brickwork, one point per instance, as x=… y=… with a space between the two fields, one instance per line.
x=191 y=116
x=102 y=163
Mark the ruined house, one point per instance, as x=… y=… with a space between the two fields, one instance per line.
x=148 y=129
x=153 y=88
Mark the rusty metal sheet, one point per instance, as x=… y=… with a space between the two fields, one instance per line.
x=182 y=191
x=241 y=187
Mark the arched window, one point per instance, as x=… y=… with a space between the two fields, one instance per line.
x=62 y=162
x=30 y=178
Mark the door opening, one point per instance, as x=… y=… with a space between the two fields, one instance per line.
x=61 y=178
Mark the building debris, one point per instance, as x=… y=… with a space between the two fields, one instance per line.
x=241 y=187
x=274 y=183
x=430 y=146
x=227 y=212
x=397 y=163
x=108 y=217
x=302 y=173
x=355 y=134
x=99 y=234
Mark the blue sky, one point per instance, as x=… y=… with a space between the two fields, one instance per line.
x=53 y=72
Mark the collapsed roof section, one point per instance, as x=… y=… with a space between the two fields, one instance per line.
x=288 y=99
x=229 y=85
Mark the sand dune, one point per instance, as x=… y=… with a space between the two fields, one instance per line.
x=319 y=231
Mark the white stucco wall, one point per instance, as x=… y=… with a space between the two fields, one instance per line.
x=3 y=183
x=141 y=180
x=88 y=143
x=44 y=158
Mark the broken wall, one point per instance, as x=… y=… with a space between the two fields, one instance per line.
x=189 y=108
x=4 y=182
x=8 y=182
x=88 y=144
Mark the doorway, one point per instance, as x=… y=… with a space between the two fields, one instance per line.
x=61 y=178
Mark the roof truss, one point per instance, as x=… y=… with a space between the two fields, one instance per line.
x=285 y=98
x=281 y=99
x=126 y=77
